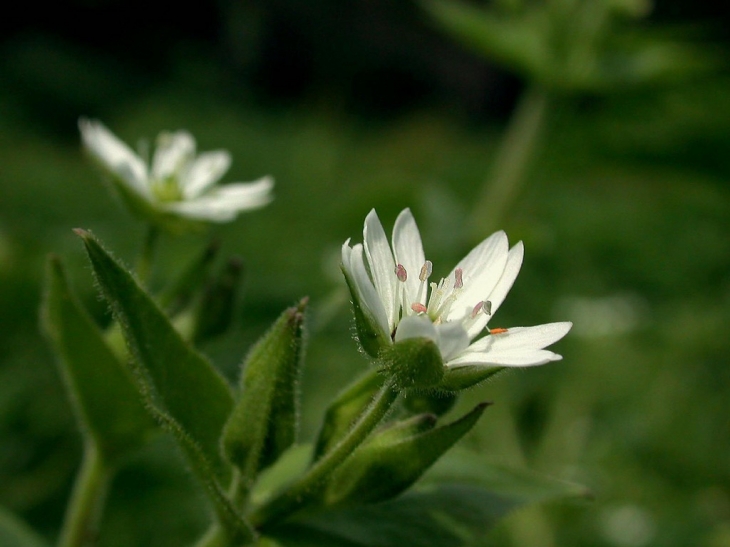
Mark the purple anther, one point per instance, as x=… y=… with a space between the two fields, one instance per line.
x=458 y=281
x=401 y=273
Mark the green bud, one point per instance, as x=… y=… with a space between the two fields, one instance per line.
x=413 y=363
x=344 y=411
x=395 y=458
x=264 y=421
x=459 y=378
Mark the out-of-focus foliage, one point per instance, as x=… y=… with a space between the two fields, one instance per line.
x=626 y=224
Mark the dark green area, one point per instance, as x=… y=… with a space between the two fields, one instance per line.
x=626 y=224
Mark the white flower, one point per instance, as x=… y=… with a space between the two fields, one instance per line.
x=179 y=183
x=391 y=288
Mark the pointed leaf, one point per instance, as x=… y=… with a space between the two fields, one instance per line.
x=179 y=382
x=264 y=422
x=396 y=458
x=519 y=486
x=432 y=515
x=102 y=390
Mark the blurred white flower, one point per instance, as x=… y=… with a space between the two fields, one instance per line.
x=178 y=183
x=391 y=288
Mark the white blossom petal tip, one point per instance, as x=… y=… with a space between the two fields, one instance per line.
x=178 y=183
x=394 y=279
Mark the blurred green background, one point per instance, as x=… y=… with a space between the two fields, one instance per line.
x=625 y=215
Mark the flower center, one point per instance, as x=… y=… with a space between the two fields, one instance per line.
x=167 y=189
x=441 y=300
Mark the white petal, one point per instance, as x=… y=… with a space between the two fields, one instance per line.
x=205 y=171
x=114 y=155
x=408 y=251
x=382 y=265
x=499 y=293
x=354 y=265
x=416 y=326
x=225 y=202
x=517 y=358
x=519 y=346
x=173 y=152
x=452 y=339
x=481 y=270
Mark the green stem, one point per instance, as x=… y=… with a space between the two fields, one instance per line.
x=84 y=511
x=307 y=487
x=146 y=257
x=516 y=150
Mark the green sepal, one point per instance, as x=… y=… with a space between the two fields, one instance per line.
x=264 y=421
x=214 y=313
x=177 y=381
x=460 y=378
x=413 y=363
x=372 y=339
x=395 y=458
x=344 y=411
x=102 y=390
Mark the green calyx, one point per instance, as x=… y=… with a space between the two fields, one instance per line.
x=413 y=363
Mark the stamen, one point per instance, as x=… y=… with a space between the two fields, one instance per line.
x=488 y=307
x=418 y=307
x=459 y=282
x=498 y=331
x=477 y=309
x=401 y=273
x=426 y=270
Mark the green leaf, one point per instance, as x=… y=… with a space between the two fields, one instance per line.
x=518 y=486
x=102 y=390
x=446 y=515
x=451 y=514
x=344 y=411
x=396 y=457
x=179 y=383
x=519 y=41
x=16 y=533
x=264 y=422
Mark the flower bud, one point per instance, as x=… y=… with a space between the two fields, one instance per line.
x=264 y=420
